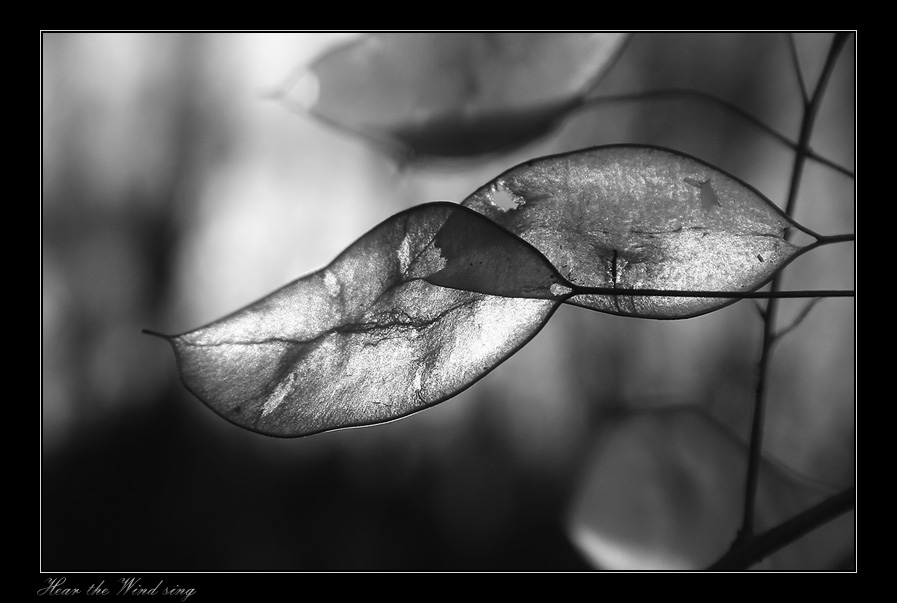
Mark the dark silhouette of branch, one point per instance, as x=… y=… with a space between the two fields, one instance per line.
x=794 y=60
x=753 y=551
x=811 y=109
x=622 y=291
x=693 y=93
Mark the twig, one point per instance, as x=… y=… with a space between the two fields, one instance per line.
x=800 y=318
x=811 y=109
x=796 y=62
x=762 y=545
x=830 y=239
x=735 y=109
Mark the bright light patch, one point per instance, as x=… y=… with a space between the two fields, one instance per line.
x=504 y=199
x=404 y=254
x=332 y=283
x=278 y=395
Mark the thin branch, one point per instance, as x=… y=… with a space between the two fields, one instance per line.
x=800 y=318
x=735 y=109
x=821 y=240
x=760 y=310
x=690 y=93
x=811 y=154
x=811 y=110
x=746 y=533
x=792 y=46
x=829 y=239
x=759 y=547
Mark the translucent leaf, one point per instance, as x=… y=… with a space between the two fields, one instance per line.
x=627 y=216
x=366 y=339
x=481 y=256
x=458 y=94
x=664 y=490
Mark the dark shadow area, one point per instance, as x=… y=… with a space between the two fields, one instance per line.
x=159 y=492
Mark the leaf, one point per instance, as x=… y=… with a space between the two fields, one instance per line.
x=482 y=256
x=459 y=94
x=663 y=491
x=435 y=297
x=367 y=339
x=640 y=217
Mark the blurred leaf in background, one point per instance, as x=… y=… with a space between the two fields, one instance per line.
x=663 y=491
x=454 y=94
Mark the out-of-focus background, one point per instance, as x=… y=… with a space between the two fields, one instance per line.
x=175 y=190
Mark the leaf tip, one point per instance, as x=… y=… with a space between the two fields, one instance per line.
x=300 y=93
x=156 y=334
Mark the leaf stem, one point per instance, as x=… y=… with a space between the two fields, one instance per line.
x=828 y=240
x=811 y=109
x=800 y=318
x=155 y=333
x=581 y=290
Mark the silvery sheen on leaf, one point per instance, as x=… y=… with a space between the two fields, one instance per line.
x=366 y=339
x=435 y=297
x=640 y=217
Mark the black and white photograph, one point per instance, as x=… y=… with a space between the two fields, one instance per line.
x=339 y=302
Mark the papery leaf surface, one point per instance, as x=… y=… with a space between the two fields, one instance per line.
x=458 y=94
x=367 y=339
x=628 y=216
x=481 y=256
x=663 y=490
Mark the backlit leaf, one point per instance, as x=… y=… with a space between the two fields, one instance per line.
x=481 y=256
x=435 y=297
x=366 y=339
x=628 y=216
x=459 y=94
